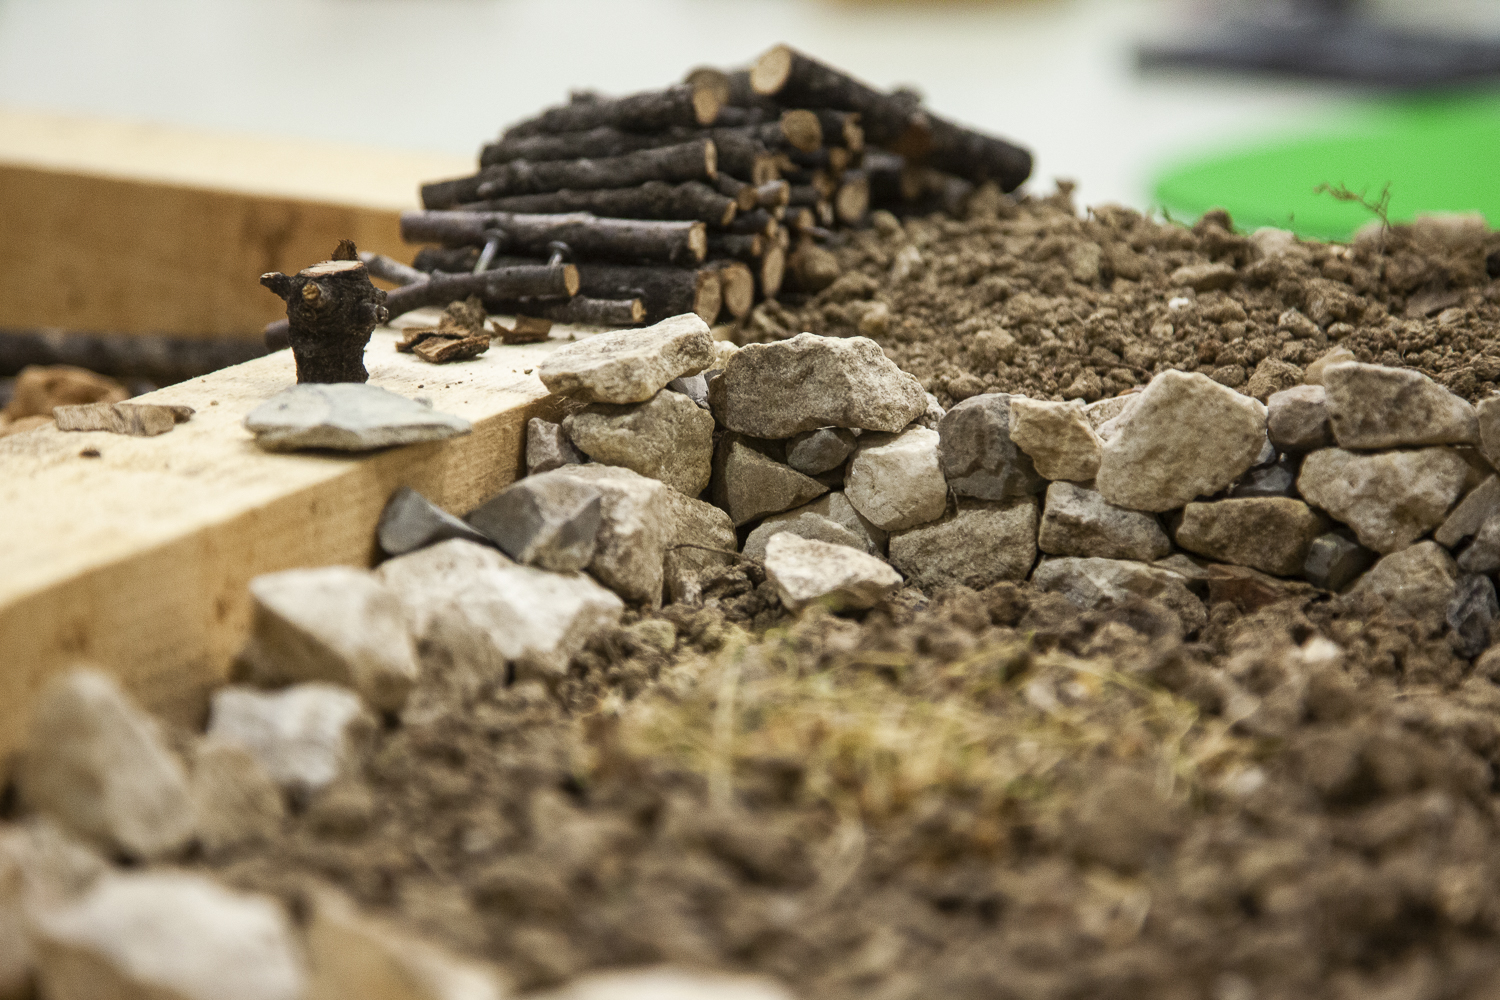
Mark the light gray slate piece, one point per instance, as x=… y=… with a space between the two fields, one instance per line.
x=804 y=571
x=1271 y=534
x=99 y=767
x=335 y=624
x=410 y=521
x=652 y=538
x=780 y=389
x=1077 y=521
x=803 y=524
x=1372 y=406
x=548 y=447
x=1417 y=582
x=668 y=437
x=819 y=451
x=1472 y=612
x=1057 y=437
x=833 y=508
x=978 y=457
x=1297 y=418
x=748 y=484
x=1278 y=479
x=304 y=736
x=896 y=480
x=347 y=416
x=543 y=521
x=1390 y=499
x=166 y=934
x=629 y=366
x=1184 y=437
x=1094 y=584
x=1334 y=561
x=694 y=387
x=979 y=545
x=1482 y=503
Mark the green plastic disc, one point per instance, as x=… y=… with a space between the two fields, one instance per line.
x=1432 y=153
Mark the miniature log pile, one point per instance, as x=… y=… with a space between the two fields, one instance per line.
x=705 y=197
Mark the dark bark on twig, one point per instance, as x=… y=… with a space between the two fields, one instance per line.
x=688 y=161
x=841 y=128
x=773 y=195
x=665 y=291
x=578 y=309
x=155 y=359
x=737 y=286
x=739 y=152
x=891 y=180
x=894 y=121
x=527 y=281
x=758 y=221
x=734 y=246
x=833 y=159
x=332 y=308
x=453 y=260
x=387 y=269
x=743 y=194
x=586 y=235
x=652 y=200
x=652 y=111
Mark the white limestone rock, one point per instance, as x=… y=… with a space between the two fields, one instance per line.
x=1271 y=534
x=975 y=547
x=804 y=571
x=1102 y=583
x=101 y=769
x=347 y=416
x=830 y=518
x=1077 y=521
x=668 y=437
x=1184 y=437
x=167 y=936
x=302 y=736
x=1390 y=499
x=776 y=390
x=667 y=983
x=1418 y=582
x=1297 y=419
x=897 y=480
x=235 y=802
x=334 y=624
x=1058 y=437
x=629 y=366
x=1372 y=406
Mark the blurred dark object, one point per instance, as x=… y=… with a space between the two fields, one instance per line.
x=135 y=359
x=1334 y=40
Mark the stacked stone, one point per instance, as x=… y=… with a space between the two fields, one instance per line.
x=1174 y=492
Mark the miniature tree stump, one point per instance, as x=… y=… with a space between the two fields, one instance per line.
x=331 y=309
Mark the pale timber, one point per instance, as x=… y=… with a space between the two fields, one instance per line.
x=137 y=560
x=140 y=228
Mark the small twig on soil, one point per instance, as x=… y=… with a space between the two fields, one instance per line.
x=1380 y=207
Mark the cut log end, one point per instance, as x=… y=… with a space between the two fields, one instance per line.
x=707 y=78
x=770 y=72
x=711 y=159
x=802 y=129
x=328 y=267
x=772 y=271
x=706 y=104
x=853 y=199
x=570 y=279
x=708 y=299
x=737 y=287
x=698 y=241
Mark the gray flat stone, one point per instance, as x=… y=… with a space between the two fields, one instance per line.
x=819 y=451
x=546 y=521
x=1057 y=436
x=668 y=437
x=1271 y=534
x=975 y=547
x=548 y=447
x=1371 y=406
x=896 y=481
x=1481 y=503
x=748 y=484
x=1472 y=612
x=410 y=521
x=979 y=459
x=1186 y=436
x=100 y=768
x=694 y=387
x=1278 y=479
x=1094 y=584
x=1390 y=499
x=804 y=571
x=347 y=416
x=335 y=624
x=1077 y=521
x=1417 y=582
x=629 y=366
x=784 y=388
x=1297 y=418
x=1335 y=560
x=832 y=508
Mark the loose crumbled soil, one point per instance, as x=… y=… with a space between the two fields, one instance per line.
x=985 y=794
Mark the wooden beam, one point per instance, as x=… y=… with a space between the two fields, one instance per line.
x=138 y=560
x=135 y=228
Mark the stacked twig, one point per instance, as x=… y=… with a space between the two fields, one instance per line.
x=705 y=197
